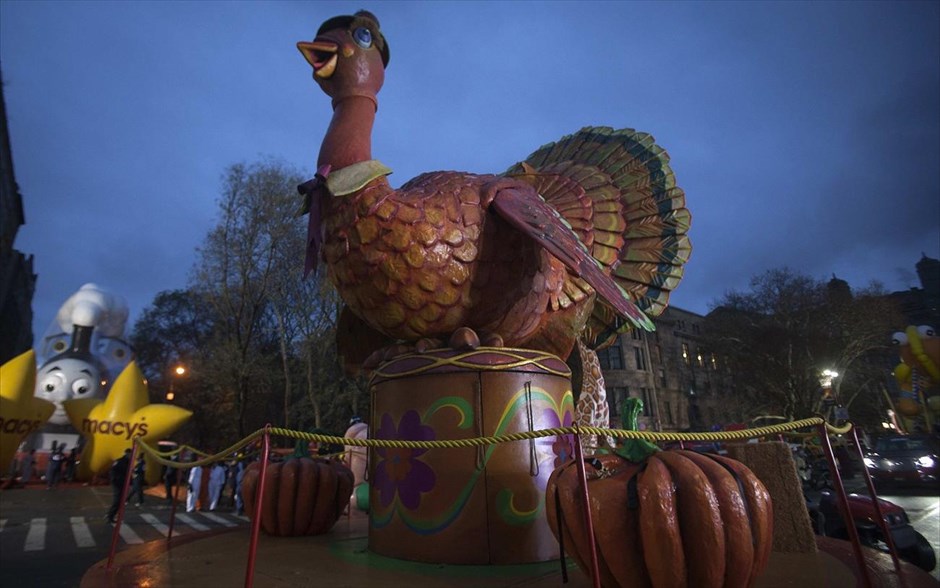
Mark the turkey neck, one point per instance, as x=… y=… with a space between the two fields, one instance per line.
x=348 y=140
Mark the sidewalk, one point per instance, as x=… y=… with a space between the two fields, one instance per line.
x=341 y=559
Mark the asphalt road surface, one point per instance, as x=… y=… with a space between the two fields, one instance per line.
x=923 y=510
x=49 y=538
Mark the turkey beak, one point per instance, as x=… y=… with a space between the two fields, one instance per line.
x=321 y=55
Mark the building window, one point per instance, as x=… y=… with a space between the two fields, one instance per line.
x=714 y=362
x=640 y=356
x=610 y=358
x=667 y=407
x=699 y=359
x=686 y=356
x=662 y=377
x=615 y=399
x=637 y=334
x=647 y=402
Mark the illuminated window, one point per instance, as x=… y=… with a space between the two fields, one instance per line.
x=686 y=356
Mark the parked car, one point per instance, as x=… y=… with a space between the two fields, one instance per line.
x=911 y=545
x=901 y=459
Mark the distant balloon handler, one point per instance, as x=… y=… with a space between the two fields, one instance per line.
x=216 y=482
x=170 y=476
x=117 y=475
x=137 y=488
x=195 y=483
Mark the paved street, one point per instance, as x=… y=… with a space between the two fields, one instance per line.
x=52 y=537
x=921 y=504
x=924 y=513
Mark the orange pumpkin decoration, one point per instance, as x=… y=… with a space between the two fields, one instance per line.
x=302 y=496
x=674 y=518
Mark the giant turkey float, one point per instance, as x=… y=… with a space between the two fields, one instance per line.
x=464 y=296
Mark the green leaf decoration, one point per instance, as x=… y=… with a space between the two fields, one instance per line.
x=635 y=450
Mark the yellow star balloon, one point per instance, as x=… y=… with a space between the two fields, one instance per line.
x=110 y=425
x=21 y=413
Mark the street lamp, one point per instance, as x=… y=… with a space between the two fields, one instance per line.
x=828 y=400
x=179 y=370
x=826 y=377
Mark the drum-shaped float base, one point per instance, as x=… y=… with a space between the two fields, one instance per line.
x=467 y=505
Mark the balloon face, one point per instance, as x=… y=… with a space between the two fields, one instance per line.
x=67 y=378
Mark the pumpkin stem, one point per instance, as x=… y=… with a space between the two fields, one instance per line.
x=300 y=449
x=635 y=450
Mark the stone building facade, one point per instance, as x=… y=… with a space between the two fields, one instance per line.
x=17 y=280
x=683 y=386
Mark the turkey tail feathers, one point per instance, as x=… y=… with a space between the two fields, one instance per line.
x=618 y=192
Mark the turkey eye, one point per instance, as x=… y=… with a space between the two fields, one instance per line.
x=899 y=338
x=363 y=37
x=925 y=331
x=50 y=387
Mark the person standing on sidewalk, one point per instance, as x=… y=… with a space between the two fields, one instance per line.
x=27 y=467
x=239 y=501
x=216 y=482
x=137 y=484
x=69 y=474
x=170 y=477
x=117 y=475
x=54 y=467
x=195 y=485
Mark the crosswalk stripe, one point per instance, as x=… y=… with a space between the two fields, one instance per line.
x=218 y=519
x=82 y=533
x=36 y=537
x=156 y=524
x=129 y=536
x=84 y=537
x=192 y=522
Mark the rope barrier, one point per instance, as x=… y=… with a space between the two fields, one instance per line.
x=265 y=433
x=224 y=454
x=783 y=428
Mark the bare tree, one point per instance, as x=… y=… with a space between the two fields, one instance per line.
x=236 y=272
x=783 y=332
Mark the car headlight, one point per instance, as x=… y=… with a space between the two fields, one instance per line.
x=926 y=461
x=869 y=463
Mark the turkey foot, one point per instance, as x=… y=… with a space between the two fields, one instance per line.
x=463 y=339
x=466 y=339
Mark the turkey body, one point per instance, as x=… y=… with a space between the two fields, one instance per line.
x=427 y=259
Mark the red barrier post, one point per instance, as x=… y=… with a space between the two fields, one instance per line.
x=589 y=520
x=120 y=515
x=259 y=498
x=889 y=540
x=844 y=503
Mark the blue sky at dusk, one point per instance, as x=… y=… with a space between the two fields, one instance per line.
x=804 y=134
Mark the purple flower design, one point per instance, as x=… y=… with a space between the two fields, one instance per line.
x=398 y=470
x=563 y=445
